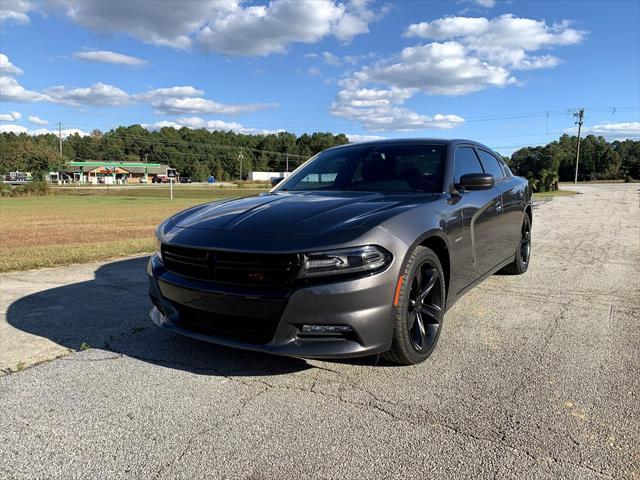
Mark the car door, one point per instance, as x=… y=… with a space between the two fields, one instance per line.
x=481 y=217
x=512 y=203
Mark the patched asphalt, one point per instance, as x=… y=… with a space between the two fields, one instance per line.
x=535 y=376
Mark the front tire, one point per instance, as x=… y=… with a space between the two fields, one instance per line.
x=420 y=310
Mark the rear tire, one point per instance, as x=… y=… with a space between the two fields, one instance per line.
x=421 y=303
x=522 y=258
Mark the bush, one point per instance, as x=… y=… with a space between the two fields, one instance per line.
x=32 y=189
x=628 y=179
x=6 y=190
x=37 y=189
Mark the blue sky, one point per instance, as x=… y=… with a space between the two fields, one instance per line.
x=487 y=70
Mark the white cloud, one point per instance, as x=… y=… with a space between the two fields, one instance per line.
x=503 y=41
x=97 y=95
x=355 y=138
x=335 y=61
x=437 y=68
x=18 y=129
x=12 y=91
x=177 y=100
x=211 y=125
x=203 y=106
x=169 y=92
x=612 y=131
x=16 y=11
x=12 y=116
x=330 y=59
x=169 y=24
x=37 y=120
x=105 y=56
x=313 y=71
x=468 y=55
x=355 y=21
x=8 y=68
x=11 y=128
x=485 y=3
x=66 y=132
x=230 y=27
x=264 y=29
x=380 y=110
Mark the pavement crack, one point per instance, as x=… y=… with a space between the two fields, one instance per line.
x=192 y=439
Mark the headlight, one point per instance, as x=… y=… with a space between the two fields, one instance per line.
x=348 y=260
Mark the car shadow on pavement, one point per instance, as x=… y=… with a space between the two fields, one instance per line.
x=111 y=312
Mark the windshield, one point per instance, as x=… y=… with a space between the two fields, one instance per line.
x=375 y=168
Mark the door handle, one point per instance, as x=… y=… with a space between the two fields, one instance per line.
x=498 y=207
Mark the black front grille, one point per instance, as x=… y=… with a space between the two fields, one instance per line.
x=236 y=268
x=254 y=330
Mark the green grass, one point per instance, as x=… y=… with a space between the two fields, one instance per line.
x=556 y=193
x=159 y=191
x=41 y=232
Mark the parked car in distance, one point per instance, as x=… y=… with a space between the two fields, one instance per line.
x=160 y=179
x=185 y=179
x=360 y=251
x=275 y=181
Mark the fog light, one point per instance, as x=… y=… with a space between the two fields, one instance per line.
x=324 y=329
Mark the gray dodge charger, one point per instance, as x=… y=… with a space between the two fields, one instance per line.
x=360 y=251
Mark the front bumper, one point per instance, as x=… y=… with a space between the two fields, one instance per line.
x=274 y=318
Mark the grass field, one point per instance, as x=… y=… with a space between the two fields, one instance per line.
x=89 y=224
x=48 y=231
x=555 y=193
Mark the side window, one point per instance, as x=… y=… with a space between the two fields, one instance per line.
x=507 y=170
x=491 y=165
x=465 y=161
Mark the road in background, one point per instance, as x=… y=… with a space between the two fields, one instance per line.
x=535 y=376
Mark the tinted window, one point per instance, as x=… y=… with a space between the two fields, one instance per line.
x=491 y=164
x=383 y=168
x=507 y=170
x=465 y=162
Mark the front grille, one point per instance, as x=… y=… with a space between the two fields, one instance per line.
x=235 y=268
x=248 y=329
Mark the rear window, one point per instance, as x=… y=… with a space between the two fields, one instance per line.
x=491 y=164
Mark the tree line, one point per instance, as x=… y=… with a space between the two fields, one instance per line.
x=544 y=166
x=194 y=153
x=201 y=153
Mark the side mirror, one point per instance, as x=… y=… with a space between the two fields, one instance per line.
x=476 y=181
x=276 y=180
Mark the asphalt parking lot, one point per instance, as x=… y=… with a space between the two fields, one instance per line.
x=535 y=376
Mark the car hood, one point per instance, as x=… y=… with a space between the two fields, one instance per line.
x=300 y=212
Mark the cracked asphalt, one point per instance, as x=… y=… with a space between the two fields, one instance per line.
x=535 y=376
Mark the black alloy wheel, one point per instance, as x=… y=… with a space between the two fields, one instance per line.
x=420 y=309
x=522 y=258
x=424 y=309
x=525 y=240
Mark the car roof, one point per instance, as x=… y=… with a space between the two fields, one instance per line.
x=404 y=141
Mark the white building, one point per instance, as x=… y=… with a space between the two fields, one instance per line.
x=266 y=176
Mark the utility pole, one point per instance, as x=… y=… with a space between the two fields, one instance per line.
x=60 y=137
x=240 y=157
x=580 y=116
x=287 y=157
